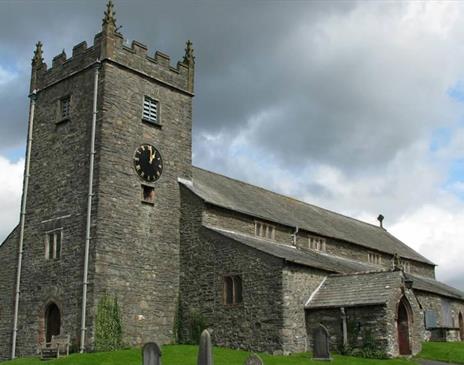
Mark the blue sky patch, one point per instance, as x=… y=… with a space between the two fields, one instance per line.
x=14 y=154
x=441 y=137
x=456 y=92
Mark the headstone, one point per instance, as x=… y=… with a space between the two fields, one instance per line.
x=254 y=359
x=321 y=344
x=205 y=352
x=151 y=354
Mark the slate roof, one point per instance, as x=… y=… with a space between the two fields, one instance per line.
x=236 y=195
x=433 y=286
x=289 y=253
x=360 y=278
x=356 y=289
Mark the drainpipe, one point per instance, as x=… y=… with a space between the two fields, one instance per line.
x=22 y=219
x=345 y=331
x=89 y=207
x=295 y=234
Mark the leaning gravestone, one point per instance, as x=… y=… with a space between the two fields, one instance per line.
x=321 y=344
x=254 y=359
x=151 y=354
x=205 y=352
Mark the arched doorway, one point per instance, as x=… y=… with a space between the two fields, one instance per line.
x=461 y=326
x=403 y=322
x=52 y=321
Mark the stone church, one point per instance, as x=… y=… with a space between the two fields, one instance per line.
x=112 y=205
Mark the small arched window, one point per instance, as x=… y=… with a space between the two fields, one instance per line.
x=237 y=289
x=232 y=289
x=228 y=290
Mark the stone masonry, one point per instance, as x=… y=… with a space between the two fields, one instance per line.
x=169 y=261
x=134 y=251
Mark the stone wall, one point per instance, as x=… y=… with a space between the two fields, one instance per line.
x=364 y=323
x=137 y=244
x=56 y=200
x=207 y=257
x=8 y=266
x=433 y=302
x=298 y=284
x=238 y=222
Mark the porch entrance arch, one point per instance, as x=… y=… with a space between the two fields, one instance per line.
x=52 y=321
x=403 y=324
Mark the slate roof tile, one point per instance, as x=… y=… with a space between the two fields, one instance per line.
x=356 y=289
x=299 y=256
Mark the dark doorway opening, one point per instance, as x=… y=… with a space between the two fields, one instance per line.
x=403 y=328
x=461 y=326
x=52 y=321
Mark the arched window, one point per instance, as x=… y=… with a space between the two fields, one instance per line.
x=232 y=289
x=237 y=289
x=52 y=321
x=228 y=290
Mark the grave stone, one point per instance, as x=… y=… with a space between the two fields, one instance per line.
x=151 y=354
x=254 y=359
x=321 y=344
x=205 y=352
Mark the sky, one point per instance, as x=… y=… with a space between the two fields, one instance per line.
x=357 y=107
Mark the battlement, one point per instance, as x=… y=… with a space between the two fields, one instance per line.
x=109 y=46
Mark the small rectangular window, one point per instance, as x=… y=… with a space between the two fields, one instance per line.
x=150 y=110
x=374 y=258
x=406 y=266
x=148 y=194
x=232 y=292
x=264 y=230
x=53 y=240
x=65 y=108
x=316 y=243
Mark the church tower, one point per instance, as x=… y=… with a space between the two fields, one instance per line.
x=110 y=139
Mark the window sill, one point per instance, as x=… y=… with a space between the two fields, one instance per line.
x=234 y=305
x=148 y=202
x=61 y=121
x=154 y=124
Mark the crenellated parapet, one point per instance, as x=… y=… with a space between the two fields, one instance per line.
x=109 y=46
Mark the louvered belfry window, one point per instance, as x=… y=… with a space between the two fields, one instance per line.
x=65 y=105
x=150 y=110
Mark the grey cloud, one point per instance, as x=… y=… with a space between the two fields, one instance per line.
x=234 y=43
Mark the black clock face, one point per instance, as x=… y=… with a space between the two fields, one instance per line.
x=148 y=162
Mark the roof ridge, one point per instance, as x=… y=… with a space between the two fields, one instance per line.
x=290 y=197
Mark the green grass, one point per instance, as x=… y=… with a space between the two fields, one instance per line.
x=443 y=351
x=187 y=355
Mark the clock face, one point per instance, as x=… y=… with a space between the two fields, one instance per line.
x=148 y=162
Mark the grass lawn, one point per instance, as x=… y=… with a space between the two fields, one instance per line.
x=443 y=351
x=187 y=355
